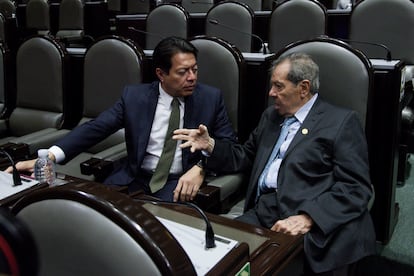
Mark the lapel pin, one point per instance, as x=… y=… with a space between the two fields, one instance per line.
x=305 y=131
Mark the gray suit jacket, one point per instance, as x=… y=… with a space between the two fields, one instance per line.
x=324 y=173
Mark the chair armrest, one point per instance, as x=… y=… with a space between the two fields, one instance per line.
x=102 y=163
x=221 y=192
x=17 y=152
x=44 y=138
x=113 y=153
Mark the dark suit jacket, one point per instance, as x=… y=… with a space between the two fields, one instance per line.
x=135 y=112
x=324 y=173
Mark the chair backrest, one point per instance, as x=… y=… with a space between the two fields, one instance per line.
x=88 y=229
x=385 y=22
x=71 y=18
x=18 y=251
x=295 y=20
x=196 y=6
x=41 y=65
x=37 y=16
x=354 y=93
x=233 y=22
x=110 y=64
x=7 y=8
x=166 y=20
x=222 y=65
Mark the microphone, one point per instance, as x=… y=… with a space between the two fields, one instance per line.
x=16 y=176
x=216 y=22
x=144 y=32
x=209 y=238
x=388 y=51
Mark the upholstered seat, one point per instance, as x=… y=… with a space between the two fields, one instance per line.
x=295 y=20
x=177 y=18
x=386 y=23
x=224 y=67
x=37 y=17
x=41 y=107
x=233 y=22
x=110 y=64
x=89 y=229
x=71 y=23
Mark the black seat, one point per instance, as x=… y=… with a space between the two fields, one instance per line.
x=223 y=66
x=41 y=107
x=88 y=229
x=295 y=20
x=233 y=22
x=177 y=18
x=18 y=251
x=110 y=64
x=37 y=17
x=366 y=19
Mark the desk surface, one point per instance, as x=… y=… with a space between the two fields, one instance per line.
x=270 y=252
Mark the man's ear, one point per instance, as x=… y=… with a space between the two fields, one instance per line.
x=305 y=87
x=160 y=74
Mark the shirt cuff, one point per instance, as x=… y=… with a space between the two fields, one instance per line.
x=58 y=153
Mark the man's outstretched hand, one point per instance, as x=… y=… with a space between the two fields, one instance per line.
x=197 y=139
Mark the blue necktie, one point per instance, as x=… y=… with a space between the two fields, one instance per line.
x=282 y=137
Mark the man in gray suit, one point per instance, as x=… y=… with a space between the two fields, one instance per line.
x=309 y=176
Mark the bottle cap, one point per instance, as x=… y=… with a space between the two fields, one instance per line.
x=42 y=153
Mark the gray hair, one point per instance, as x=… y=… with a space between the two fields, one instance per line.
x=302 y=67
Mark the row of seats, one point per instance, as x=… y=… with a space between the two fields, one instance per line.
x=234 y=22
x=326 y=52
x=47 y=107
x=296 y=20
x=64 y=20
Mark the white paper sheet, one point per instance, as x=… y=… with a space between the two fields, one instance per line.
x=6 y=184
x=193 y=242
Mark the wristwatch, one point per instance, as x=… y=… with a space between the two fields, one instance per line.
x=200 y=164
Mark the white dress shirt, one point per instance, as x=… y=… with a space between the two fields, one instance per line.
x=271 y=178
x=158 y=132
x=157 y=136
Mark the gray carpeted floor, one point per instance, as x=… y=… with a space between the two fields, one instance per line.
x=401 y=245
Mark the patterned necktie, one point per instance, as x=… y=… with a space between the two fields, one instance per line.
x=162 y=170
x=282 y=137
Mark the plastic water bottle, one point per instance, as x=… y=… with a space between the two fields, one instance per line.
x=44 y=168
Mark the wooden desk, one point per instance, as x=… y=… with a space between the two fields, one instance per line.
x=270 y=252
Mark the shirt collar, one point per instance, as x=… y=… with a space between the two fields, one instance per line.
x=304 y=110
x=167 y=98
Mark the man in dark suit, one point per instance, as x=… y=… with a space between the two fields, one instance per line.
x=144 y=111
x=314 y=182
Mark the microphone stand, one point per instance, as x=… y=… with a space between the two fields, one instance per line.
x=16 y=176
x=209 y=237
x=216 y=22
x=388 y=51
